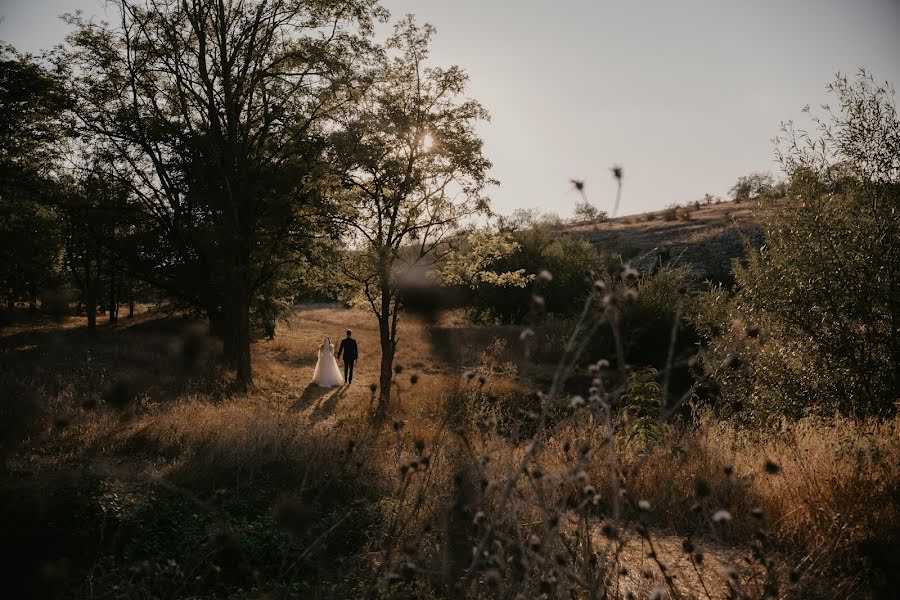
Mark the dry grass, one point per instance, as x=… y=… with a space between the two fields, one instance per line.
x=361 y=503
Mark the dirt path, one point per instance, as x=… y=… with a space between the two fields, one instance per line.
x=284 y=366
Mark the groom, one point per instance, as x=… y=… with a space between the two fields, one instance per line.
x=351 y=353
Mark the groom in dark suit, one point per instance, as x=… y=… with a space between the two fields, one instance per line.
x=351 y=353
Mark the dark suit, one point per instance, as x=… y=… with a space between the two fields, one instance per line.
x=350 y=351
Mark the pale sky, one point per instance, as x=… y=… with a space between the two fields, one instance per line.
x=685 y=95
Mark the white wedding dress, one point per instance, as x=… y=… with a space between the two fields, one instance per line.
x=327 y=373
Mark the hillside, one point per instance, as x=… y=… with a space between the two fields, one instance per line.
x=707 y=237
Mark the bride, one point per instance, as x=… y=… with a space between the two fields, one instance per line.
x=327 y=373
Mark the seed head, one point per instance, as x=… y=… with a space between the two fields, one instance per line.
x=629 y=272
x=644 y=505
x=721 y=516
x=772 y=468
x=545 y=276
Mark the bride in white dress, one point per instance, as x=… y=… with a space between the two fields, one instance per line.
x=327 y=373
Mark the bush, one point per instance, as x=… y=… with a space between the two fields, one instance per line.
x=752 y=187
x=814 y=322
x=671 y=213
x=586 y=212
x=558 y=263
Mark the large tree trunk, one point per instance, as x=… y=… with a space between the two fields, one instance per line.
x=90 y=301
x=238 y=322
x=387 y=372
x=242 y=343
x=388 y=349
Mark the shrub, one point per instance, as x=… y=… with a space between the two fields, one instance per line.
x=816 y=310
x=753 y=186
x=640 y=406
x=558 y=263
x=586 y=212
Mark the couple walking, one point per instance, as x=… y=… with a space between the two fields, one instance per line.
x=327 y=373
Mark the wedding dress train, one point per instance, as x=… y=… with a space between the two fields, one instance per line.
x=327 y=373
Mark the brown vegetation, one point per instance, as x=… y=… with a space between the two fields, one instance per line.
x=396 y=504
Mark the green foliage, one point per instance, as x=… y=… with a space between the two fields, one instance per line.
x=821 y=297
x=640 y=407
x=755 y=186
x=30 y=133
x=216 y=127
x=470 y=264
x=585 y=212
x=646 y=318
x=535 y=246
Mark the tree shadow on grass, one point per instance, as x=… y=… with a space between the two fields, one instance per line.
x=295 y=360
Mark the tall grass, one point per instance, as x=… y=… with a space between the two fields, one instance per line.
x=483 y=484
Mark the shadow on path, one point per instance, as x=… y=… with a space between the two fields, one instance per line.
x=324 y=400
x=327 y=405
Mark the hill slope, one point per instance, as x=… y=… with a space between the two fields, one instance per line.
x=707 y=238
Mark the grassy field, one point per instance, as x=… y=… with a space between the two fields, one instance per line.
x=132 y=470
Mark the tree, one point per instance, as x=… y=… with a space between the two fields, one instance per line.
x=822 y=296
x=586 y=212
x=411 y=167
x=753 y=186
x=533 y=244
x=32 y=104
x=477 y=250
x=211 y=114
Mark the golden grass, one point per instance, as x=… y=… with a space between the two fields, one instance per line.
x=830 y=510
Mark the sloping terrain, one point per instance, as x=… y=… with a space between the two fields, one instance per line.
x=708 y=237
